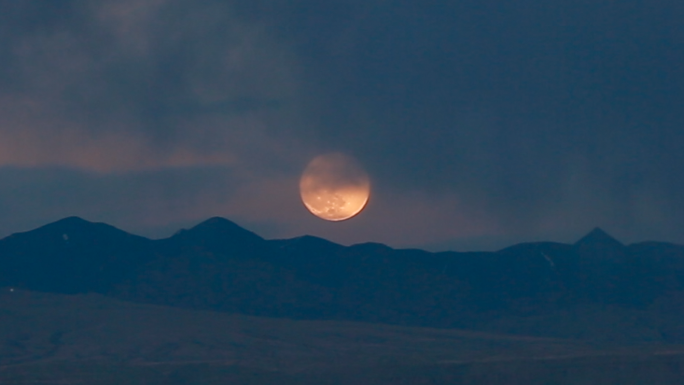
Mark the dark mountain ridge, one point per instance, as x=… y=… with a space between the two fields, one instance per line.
x=217 y=265
x=71 y=255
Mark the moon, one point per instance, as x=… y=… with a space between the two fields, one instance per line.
x=334 y=187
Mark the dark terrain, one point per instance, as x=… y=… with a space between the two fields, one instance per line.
x=81 y=304
x=91 y=339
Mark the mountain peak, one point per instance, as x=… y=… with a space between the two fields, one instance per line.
x=216 y=231
x=599 y=237
x=74 y=225
x=74 y=228
x=70 y=222
x=311 y=240
x=219 y=225
x=217 y=222
x=72 y=219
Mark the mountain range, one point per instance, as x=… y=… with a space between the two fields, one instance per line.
x=596 y=289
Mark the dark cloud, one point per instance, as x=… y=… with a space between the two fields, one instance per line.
x=532 y=111
x=169 y=75
x=480 y=122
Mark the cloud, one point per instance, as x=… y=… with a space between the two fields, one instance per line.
x=126 y=85
x=476 y=121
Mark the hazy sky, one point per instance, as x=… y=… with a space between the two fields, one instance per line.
x=481 y=123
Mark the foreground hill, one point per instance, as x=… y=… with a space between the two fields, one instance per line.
x=596 y=289
x=91 y=339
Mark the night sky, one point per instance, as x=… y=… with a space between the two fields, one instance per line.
x=481 y=123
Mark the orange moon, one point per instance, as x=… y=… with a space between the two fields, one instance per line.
x=334 y=187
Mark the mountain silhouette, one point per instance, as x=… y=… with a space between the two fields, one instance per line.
x=69 y=256
x=220 y=230
x=218 y=265
x=598 y=237
x=601 y=267
x=599 y=246
x=217 y=236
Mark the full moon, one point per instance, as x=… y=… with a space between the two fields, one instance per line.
x=334 y=187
